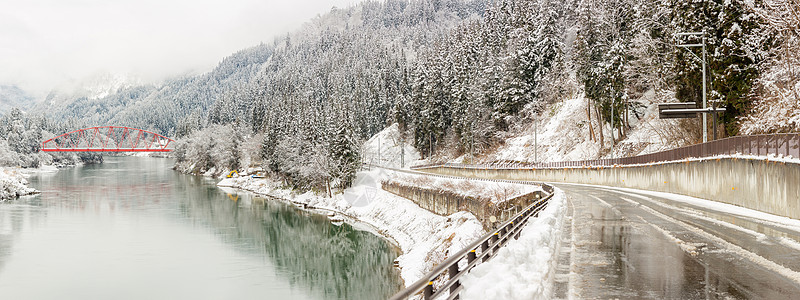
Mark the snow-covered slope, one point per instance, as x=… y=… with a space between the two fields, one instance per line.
x=13 y=96
x=388 y=148
x=563 y=134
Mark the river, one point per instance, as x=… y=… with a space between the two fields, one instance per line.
x=132 y=228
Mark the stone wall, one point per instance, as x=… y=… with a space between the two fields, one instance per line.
x=444 y=203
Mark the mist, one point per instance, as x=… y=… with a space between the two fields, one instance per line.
x=51 y=43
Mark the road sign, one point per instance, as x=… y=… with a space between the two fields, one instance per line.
x=666 y=110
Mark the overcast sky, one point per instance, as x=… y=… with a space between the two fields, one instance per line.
x=44 y=43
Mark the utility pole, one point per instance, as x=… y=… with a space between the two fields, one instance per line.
x=702 y=35
x=536 y=138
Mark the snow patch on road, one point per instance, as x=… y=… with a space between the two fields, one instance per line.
x=754 y=215
x=723 y=245
x=525 y=268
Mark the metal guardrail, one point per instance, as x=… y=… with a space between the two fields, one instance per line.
x=787 y=144
x=477 y=252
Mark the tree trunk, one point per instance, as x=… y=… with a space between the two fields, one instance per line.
x=589 y=117
x=627 y=115
x=328 y=187
x=599 y=126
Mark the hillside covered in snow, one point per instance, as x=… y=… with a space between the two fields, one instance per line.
x=464 y=80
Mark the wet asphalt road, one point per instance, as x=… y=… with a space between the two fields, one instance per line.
x=624 y=245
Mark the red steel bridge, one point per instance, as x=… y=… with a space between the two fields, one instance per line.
x=108 y=139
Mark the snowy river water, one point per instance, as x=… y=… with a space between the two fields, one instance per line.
x=132 y=228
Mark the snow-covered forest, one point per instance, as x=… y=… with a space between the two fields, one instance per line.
x=20 y=140
x=459 y=76
x=324 y=90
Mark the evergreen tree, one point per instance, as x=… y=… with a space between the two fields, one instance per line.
x=729 y=26
x=344 y=152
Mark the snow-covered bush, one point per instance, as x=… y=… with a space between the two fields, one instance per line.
x=217 y=147
x=777 y=108
x=13 y=185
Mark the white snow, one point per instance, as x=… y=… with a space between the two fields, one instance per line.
x=423 y=237
x=720 y=207
x=525 y=268
x=495 y=192
x=558 y=137
x=13 y=184
x=385 y=149
x=563 y=134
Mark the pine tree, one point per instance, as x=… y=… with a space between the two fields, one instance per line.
x=732 y=62
x=344 y=152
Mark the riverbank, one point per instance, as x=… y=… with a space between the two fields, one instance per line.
x=423 y=237
x=13 y=183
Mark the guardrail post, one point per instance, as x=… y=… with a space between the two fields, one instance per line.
x=492 y=244
x=453 y=271
x=471 y=255
x=427 y=292
x=484 y=248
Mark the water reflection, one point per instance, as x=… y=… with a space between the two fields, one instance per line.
x=132 y=228
x=338 y=261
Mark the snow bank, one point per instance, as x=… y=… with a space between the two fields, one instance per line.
x=495 y=192
x=13 y=184
x=423 y=237
x=525 y=268
x=723 y=208
x=387 y=147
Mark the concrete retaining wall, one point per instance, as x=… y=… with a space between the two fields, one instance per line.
x=768 y=186
x=445 y=203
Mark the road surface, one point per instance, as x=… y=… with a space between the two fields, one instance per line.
x=622 y=244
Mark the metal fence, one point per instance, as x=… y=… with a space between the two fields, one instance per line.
x=479 y=251
x=786 y=145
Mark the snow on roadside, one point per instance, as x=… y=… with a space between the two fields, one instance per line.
x=524 y=268
x=724 y=208
x=422 y=236
x=495 y=192
x=13 y=184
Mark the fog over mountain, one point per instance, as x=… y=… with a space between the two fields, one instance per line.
x=55 y=44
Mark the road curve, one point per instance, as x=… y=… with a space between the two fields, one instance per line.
x=634 y=244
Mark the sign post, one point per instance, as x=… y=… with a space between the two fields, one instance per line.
x=701 y=35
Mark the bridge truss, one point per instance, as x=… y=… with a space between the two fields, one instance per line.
x=108 y=139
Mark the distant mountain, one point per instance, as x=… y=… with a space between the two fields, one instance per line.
x=13 y=96
x=119 y=100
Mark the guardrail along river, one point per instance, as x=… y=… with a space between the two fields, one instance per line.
x=132 y=228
